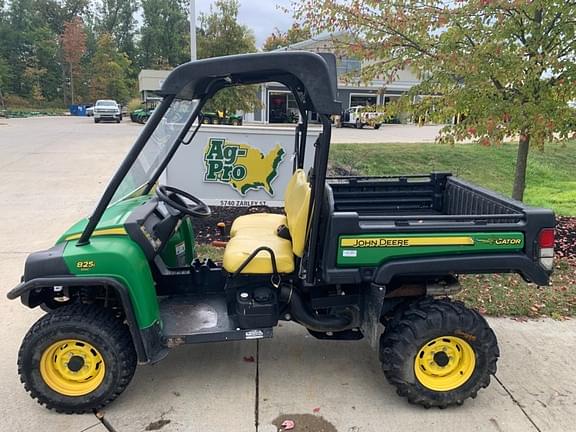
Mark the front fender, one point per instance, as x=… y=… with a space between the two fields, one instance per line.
x=113 y=261
x=147 y=342
x=121 y=259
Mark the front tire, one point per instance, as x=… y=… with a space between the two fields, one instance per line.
x=438 y=353
x=77 y=359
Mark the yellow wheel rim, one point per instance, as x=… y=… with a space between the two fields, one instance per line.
x=444 y=363
x=72 y=367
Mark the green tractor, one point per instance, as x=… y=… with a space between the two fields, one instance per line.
x=351 y=258
x=142 y=114
x=220 y=117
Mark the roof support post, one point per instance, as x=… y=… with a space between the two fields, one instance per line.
x=318 y=181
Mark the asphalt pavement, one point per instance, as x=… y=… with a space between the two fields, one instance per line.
x=51 y=172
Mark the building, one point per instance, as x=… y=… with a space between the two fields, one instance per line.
x=149 y=82
x=278 y=104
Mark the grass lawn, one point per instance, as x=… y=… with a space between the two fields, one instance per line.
x=551 y=178
x=509 y=295
x=30 y=112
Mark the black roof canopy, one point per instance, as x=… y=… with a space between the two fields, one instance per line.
x=307 y=72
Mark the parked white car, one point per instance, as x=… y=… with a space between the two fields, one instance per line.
x=107 y=109
x=357 y=116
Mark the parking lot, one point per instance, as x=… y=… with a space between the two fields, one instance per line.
x=51 y=172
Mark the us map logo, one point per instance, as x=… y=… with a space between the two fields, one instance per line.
x=241 y=166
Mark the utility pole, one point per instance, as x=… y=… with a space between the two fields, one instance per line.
x=192 y=30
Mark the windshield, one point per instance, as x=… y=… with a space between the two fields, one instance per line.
x=106 y=103
x=156 y=148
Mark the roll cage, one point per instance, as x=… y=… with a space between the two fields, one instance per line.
x=309 y=76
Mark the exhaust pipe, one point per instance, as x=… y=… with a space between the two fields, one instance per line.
x=308 y=319
x=437 y=288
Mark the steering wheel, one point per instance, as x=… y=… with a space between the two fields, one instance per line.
x=175 y=199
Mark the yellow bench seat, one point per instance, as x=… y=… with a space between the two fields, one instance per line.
x=264 y=221
x=249 y=232
x=247 y=241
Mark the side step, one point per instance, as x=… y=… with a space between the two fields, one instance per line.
x=199 y=319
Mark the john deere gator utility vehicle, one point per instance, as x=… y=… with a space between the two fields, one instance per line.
x=350 y=258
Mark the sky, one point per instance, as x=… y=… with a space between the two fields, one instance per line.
x=262 y=16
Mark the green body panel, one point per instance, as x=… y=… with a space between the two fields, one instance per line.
x=375 y=249
x=179 y=250
x=117 y=256
x=113 y=217
x=120 y=258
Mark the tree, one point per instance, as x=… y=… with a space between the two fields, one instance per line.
x=31 y=49
x=279 y=39
x=220 y=34
x=55 y=13
x=117 y=18
x=47 y=53
x=109 y=70
x=5 y=70
x=73 y=48
x=18 y=44
x=5 y=77
x=165 y=40
x=507 y=66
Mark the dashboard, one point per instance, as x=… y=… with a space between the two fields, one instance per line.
x=151 y=225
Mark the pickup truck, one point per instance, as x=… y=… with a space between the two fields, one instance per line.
x=106 y=109
x=358 y=116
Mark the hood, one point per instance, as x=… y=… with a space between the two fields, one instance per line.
x=112 y=221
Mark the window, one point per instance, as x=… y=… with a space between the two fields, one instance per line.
x=388 y=99
x=348 y=66
x=157 y=148
x=362 y=100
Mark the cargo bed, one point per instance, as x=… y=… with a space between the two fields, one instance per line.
x=438 y=195
x=434 y=204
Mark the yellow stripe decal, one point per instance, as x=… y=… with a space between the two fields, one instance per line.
x=382 y=242
x=102 y=232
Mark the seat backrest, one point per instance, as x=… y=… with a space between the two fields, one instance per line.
x=297 y=206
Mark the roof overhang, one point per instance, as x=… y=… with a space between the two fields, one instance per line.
x=314 y=75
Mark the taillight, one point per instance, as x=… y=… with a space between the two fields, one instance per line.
x=546 y=248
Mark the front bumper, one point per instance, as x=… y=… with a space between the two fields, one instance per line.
x=109 y=116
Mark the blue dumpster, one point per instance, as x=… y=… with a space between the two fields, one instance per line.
x=78 y=110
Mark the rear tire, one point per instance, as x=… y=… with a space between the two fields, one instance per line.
x=77 y=359
x=438 y=353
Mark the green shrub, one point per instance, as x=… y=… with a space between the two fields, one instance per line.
x=134 y=104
